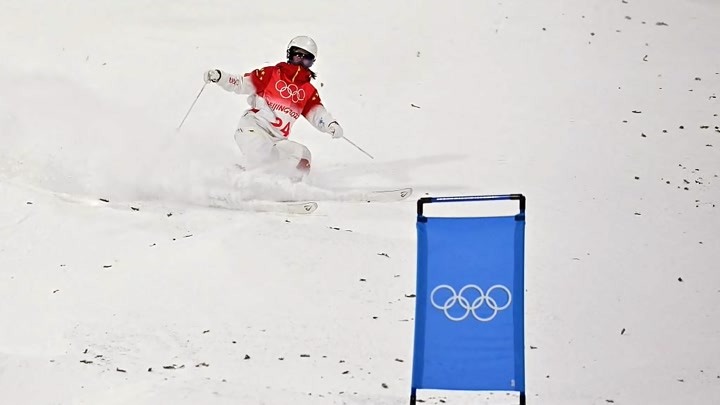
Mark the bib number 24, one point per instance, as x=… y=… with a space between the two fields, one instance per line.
x=285 y=129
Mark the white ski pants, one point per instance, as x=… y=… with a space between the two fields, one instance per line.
x=264 y=150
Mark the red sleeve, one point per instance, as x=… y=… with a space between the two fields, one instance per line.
x=314 y=101
x=260 y=78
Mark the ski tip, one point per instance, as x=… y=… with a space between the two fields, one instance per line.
x=388 y=195
x=307 y=207
x=405 y=192
x=310 y=207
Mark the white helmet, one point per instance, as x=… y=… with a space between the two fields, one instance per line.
x=305 y=43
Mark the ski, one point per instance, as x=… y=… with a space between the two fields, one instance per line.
x=282 y=207
x=387 y=195
x=369 y=196
x=375 y=195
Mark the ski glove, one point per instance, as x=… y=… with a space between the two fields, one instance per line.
x=212 y=75
x=335 y=130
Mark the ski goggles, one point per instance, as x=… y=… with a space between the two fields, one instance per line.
x=307 y=59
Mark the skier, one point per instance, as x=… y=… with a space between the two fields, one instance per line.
x=279 y=95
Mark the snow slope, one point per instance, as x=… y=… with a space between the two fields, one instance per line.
x=604 y=114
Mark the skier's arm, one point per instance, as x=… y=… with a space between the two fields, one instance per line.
x=248 y=83
x=320 y=117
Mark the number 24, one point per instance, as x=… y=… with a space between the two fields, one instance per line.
x=279 y=123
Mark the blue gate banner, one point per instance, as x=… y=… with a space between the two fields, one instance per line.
x=469 y=314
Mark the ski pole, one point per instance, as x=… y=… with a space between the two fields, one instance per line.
x=359 y=148
x=191 y=106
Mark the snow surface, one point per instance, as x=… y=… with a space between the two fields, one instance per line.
x=603 y=113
